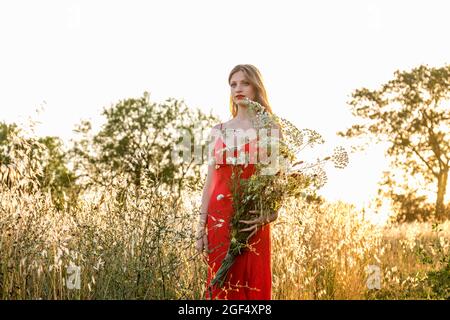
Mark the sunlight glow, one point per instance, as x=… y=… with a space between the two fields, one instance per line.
x=76 y=57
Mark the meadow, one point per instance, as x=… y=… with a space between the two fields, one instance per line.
x=113 y=244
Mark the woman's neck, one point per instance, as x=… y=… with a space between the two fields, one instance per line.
x=244 y=114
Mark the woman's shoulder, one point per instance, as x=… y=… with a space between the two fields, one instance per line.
x=235 y=125
x=227 y=124
x=217 y=126
x=224 y=125
x=216 y=130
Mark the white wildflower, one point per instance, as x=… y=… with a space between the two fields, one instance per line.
x=220 y=197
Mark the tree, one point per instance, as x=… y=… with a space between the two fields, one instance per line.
x=408 y=204
x=412 y=113
x=137 y=141
x=56 y=177
x=6 y=132
x=20 y=166
x=39 y=163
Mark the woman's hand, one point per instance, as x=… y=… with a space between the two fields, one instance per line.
x=254 y=224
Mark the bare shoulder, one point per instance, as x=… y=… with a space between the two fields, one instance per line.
x=229 y=123
x=217 y=126
x=215 y=130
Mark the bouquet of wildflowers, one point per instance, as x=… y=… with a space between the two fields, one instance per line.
x=274 y=181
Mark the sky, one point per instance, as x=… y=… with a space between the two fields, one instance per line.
x=73 y=58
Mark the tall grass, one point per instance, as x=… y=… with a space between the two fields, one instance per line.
x=122 y=243
x=124 y=247
x=321 y=252
x=143 y=248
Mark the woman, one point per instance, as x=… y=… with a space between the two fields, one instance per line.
x=250 y=277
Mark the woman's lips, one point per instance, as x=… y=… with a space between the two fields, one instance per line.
x=240 y=97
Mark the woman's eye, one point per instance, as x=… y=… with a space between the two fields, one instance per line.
x=246 y=83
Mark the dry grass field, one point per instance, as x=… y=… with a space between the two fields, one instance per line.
x=114 y=245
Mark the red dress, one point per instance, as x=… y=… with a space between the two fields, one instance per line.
x=250 y=277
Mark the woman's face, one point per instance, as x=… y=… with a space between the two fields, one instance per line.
x=241 y=87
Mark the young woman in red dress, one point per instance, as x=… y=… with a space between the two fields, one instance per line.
x=250 y=277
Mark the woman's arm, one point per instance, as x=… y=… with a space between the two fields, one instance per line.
x=206 y=195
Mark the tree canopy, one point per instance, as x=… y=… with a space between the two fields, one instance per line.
x=137 y=140
x=412 y=113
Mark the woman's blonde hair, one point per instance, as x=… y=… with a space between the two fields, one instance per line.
x=254 y=77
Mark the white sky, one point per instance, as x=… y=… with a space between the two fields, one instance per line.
x=80 y=56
